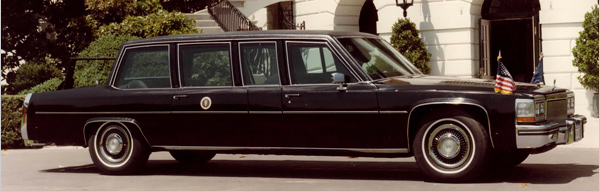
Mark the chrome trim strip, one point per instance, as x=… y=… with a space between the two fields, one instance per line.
x=118 y=65
x=208 y=43
x=265 y=112
x=393 y=112
x=209 y=112
x=330 y=112
x=452 y=103
x=225 y=148
x=107 y=121
x=242 y=68
x=100 y=113
x=213 y=112
x=211 y=39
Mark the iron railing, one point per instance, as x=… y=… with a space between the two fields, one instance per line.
x=229 y=17
x=287 y=19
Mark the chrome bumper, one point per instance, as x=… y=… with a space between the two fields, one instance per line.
x=536 y=136
x=28 y=142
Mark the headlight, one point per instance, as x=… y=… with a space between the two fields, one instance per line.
x=525 y=110
x=529 y=110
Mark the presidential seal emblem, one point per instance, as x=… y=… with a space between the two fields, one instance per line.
x=205 y=103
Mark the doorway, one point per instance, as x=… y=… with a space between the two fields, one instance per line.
x=512 y=28
x=368 y=18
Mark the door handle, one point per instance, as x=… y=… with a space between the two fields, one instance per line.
x=292 y=95
x=180 y=96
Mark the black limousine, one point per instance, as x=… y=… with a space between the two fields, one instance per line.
x=297 y=93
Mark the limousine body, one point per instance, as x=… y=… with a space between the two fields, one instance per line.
x=297 y=93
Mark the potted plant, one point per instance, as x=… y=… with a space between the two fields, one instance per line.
x=586 y=55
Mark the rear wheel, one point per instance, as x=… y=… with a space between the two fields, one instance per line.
x=192 y=156
x=114 y=150
x=451 y=148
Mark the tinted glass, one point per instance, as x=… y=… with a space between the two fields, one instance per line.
x=378 y=58
x=314 y=63
x=146 y=67
x=259 y=64
x=205 y=65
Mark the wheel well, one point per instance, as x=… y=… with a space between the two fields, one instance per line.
x=91 y=128
x=416 y=116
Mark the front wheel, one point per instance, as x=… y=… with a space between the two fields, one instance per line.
x=512 y=158
x=114 y=150
x=452 y=148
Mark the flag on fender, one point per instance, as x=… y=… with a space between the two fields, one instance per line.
x=504 y=81
x=538 y=76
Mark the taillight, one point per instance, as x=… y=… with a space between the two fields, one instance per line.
x=25 y=107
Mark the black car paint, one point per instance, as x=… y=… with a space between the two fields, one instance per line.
x=367 y=115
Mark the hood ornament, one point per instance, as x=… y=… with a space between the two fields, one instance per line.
x=554 y=85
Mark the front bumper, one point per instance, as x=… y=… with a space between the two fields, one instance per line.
x=537 y=136
x=28 y=142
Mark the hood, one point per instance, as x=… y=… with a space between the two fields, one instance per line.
x=470 y=84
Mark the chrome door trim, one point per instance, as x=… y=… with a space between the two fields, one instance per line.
x=234 y=148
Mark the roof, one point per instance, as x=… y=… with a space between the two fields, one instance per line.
x=254 y=34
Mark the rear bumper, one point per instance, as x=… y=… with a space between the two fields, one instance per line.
x=537 y=136
x=28 y=142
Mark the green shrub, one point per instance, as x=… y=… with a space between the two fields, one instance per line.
x=87 y=72
x=50 y=85
x=32 y=74
x=585 y=51
x=12 y=112
x=405 y=38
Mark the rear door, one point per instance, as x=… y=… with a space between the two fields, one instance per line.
x=259 y=63
x=208 y=110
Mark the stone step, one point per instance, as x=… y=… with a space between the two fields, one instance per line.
x=199 y=16
x=206 y=23
x=210 y=30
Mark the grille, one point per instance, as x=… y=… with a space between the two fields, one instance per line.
x=557 y=111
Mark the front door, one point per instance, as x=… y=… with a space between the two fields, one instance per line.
x=317 y=114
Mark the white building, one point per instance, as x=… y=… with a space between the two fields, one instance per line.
x=463 y=36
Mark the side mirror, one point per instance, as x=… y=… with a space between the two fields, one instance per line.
x=339 y=78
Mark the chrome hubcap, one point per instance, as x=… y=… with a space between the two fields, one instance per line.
x=449 y=146
x=114 y=144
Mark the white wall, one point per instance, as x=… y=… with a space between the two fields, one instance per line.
x=561 y=22
x=448 y=28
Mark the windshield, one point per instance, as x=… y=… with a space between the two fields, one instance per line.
x=378 y=59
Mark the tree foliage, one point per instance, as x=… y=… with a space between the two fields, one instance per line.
x=405 y=38
x=156 y=24
x=585 y=51
x=88 y=72
x=35 y=30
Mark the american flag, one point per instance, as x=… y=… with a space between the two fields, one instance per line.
x=504 y=81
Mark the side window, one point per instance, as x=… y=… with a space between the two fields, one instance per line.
x=314 y=63
x=259 y=63
x=146 y=67
x=205 y=65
